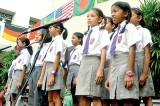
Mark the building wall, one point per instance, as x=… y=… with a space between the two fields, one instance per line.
x=24 y=9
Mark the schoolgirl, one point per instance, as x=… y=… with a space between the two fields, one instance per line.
x=146 y=88
x=52 y=76
x=74 y=63
x=123 y=76
x=17 y=50
x=109 y=26
x=35 y=92
x=21 y=66
x=90 y=76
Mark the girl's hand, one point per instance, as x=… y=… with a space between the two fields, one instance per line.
x=19 y=85
x=128 y=81
x=74 y=82
x=39 y=83
x=142 y=79
x=99 y=76
x=51 y=80
x=107 y=84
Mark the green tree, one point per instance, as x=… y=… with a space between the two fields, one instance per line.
x=151 y=10
x=6 y=59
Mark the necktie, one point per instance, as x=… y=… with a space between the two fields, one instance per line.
x=86 y=46
x=113 y=45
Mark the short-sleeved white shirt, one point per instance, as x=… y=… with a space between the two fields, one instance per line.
x=145 y=37
x=128 y=38
x=23 y=59
x=58 y=45
x=11 y=68
x=98 y=40
x=40 y=59
x=108 y=57
x=76 y=55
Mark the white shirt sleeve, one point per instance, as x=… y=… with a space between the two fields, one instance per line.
x=146 y=38
x=27 y=57
x=104 y=39
x=132 y=35
x=58 y=46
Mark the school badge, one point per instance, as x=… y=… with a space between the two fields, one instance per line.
x=91 y=41
x=51 y=49
x=119 y=39
x=19 y=60
x=39 y=57
x=74 y=57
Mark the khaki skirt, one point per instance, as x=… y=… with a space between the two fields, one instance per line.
x=148 y=88
x=86 y=84
x=13 y=83
x=58 y=85
x=105 y=92
x=117 y=75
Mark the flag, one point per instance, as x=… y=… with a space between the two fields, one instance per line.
x=65 y=11
x=82 y=6
x=100 y=1
x=11 y=32
x=32 y=34
x=48 y=19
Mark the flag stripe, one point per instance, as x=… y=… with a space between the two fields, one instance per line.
x=65 y=11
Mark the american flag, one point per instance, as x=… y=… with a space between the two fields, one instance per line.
x=65 y=11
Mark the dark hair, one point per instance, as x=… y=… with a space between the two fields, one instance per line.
x=126 y=8
x=110 y=19
x=80 y=36
x=100 y=14
x=139 y=13
x=27 y=42
x=48 y=37
x=62 y=28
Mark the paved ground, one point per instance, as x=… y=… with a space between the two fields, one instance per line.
x=156 y=102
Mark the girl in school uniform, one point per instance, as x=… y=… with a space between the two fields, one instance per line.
x=74 y=63
x=90 y=76
x=146 y=88
x=123 y=76
x=36 y=95
x=17 y=50
x=22 y=63
x=109 y=26
x=52 y=76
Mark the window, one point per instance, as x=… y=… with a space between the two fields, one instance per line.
x=6 y=17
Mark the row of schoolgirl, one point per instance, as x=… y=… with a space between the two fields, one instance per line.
x=109 y=65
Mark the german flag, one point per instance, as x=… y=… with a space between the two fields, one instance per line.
x=11 y=32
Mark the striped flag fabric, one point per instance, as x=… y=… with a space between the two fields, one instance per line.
x=65 y=11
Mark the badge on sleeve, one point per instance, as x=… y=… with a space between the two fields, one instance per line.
x=91 y=41
x=74 y=57
x=119 y=39
x=51 y=49
x=39 y=57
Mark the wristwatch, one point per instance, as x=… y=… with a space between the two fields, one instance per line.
x=130 y=74
x=53 y=72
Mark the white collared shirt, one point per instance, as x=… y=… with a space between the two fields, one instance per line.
x=128 y=38
x=11 y=68
x=23 y=59
x=98 y=40
x=40 y=59
x=145 y=37
x=108 y=57
x=58 y=45
x=76 y=55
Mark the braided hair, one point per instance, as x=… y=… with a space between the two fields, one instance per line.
x=126 y=8
x=139 y=13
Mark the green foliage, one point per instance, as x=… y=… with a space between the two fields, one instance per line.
x=151 y=10
x=6 y=59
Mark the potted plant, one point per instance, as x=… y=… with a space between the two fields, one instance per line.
x=151 y=10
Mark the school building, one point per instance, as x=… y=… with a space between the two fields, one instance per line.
x=25 y=13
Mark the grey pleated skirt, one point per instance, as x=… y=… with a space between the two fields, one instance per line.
x=148 y=89
x=58 y=85
x=14 y=80
x=86 y=84
x=105 y=92
x=72 y=74
x=117 y=74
